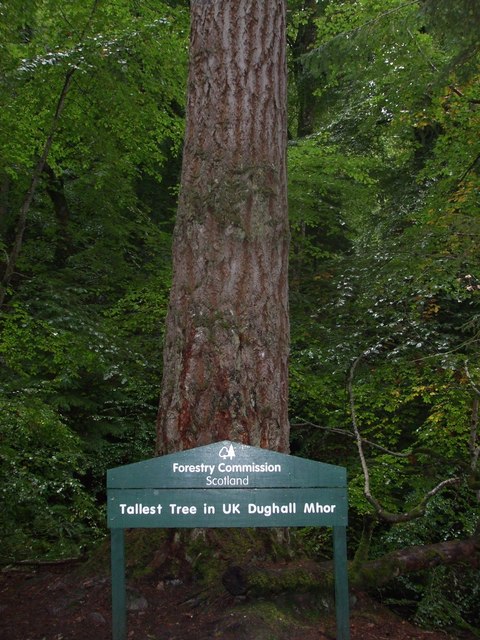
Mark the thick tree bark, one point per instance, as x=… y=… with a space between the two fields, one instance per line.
x=227 y=334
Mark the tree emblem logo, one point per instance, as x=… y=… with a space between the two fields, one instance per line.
x=227 y=452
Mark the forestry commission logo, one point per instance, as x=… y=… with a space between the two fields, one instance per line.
x=227 y=453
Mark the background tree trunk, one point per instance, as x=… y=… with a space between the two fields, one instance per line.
x=227 y=334
x=306 y=84
x=11 y=262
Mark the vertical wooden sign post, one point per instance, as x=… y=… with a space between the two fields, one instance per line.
x=222 y=485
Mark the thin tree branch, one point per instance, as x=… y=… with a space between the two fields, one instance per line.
x=350 y=434
x=419 y=509
x=455 y=89
x=36 y=174
x=366 y=24
x=422 y=52
x=89 y=20
x=27 y=201
x=474 y=339
x=469 y=169
x=353 y=414
x=470 y=380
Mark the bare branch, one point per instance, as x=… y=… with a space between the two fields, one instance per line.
x=419 y=509
x=350 y=434
x=353 y=415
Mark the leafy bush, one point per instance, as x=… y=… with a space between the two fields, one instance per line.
x=46 y=511
x=450 y=598
x=446 y=596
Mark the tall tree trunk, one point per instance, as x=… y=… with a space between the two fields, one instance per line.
x=227 y=335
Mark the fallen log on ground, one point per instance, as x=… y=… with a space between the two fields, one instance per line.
x=307 y=575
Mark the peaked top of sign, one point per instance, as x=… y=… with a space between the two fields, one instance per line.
x=217 y=465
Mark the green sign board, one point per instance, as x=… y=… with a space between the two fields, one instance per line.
x=226 y=465
x=226 y=484
x=184 y=508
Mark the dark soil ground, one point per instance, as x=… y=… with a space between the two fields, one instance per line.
x=64 y=603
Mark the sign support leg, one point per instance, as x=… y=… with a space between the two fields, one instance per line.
x=341 y=582
x=119 y=604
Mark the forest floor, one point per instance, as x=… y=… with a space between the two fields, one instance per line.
x=64 y=603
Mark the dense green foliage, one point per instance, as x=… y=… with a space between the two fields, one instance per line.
x=384 y=160
x=81 y=325
x=391 y=278
x=385 y=272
